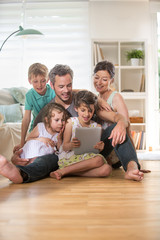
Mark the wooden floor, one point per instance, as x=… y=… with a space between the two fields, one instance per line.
x=82 y=208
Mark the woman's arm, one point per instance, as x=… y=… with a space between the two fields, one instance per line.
x=120 y=107
x=118 y=133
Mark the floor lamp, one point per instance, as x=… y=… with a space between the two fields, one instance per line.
x=23 y=33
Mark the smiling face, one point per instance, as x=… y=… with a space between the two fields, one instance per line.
x=102 y=81
x=85 y=113
x=63 y=88
x=39 y=83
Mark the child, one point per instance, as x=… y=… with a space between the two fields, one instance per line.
x=45 y=138
x=88 y=164
x=36 y=98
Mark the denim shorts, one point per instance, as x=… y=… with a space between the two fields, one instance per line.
x=39 y=169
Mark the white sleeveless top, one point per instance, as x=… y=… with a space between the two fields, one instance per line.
x=35 y=148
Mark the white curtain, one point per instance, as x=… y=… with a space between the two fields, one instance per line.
x=65 y=26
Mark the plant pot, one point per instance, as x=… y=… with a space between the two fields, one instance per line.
x=134 y=61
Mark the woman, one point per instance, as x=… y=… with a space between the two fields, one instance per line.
x=104 y=73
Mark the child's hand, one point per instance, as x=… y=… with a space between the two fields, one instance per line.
x=99 y=146
x=47 y=141
x=16 y=148
x=75 y=143
x=60 y=134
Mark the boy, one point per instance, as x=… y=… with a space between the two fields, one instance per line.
x=36 y=98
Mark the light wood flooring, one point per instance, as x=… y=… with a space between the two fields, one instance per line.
x=76 y=208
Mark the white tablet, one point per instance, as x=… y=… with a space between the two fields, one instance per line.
x=88 y=138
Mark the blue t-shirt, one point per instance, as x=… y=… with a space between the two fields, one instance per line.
x=35 y=102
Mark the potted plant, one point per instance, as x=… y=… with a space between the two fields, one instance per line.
x=135 y=55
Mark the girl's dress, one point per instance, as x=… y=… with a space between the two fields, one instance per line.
x=34 y=148
x=68 y=158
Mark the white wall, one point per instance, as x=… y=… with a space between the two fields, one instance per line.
x=131 y=21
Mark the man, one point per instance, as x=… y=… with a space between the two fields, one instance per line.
x=114 y=136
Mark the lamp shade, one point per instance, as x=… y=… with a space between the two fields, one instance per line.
x=27 y=32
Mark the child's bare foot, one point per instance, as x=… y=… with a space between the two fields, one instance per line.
x=8 y=170
x=56 y=174
x=134 y=175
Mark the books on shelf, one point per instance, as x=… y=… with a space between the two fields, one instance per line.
x=139 y=139
x=98 y=53
x=142 y=85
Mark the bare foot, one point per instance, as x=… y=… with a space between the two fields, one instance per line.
x=8 y=170
x=56 y=174
x=134 y=174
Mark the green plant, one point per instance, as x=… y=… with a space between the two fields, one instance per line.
x=135 y=53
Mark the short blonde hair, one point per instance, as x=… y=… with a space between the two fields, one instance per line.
x=37 y=69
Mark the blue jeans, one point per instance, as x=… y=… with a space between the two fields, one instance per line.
x=39 y=169
x=124 y=151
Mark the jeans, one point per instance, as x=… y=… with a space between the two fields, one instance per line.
x=39 y=169
x=124 y=151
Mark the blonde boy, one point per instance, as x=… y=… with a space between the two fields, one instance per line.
x=36 y=98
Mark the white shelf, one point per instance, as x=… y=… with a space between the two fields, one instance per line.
x=138 y=124
x=131 y=67
x=133 y=95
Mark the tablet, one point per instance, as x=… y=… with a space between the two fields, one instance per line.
x=88 y=138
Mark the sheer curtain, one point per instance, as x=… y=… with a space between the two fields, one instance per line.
x=65 y=26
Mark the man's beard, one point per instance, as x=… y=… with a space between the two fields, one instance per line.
x=65 y=100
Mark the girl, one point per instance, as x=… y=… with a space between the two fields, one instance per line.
x=88 y=164
x=46 y=137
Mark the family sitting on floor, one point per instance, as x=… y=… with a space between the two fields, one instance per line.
x=48 y=150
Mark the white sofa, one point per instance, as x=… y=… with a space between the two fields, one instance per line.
x=11 y=113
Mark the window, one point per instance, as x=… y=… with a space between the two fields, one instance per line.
x=66 y=40
x=158 y=20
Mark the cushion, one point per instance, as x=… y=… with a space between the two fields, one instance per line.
x=18 y=94
x=6 y=98
x=11 y=113
x=1 y=119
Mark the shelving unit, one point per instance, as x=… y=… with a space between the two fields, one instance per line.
x=129 y=80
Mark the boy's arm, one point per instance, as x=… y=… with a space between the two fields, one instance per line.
x=25 y=124
x=24 y=128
